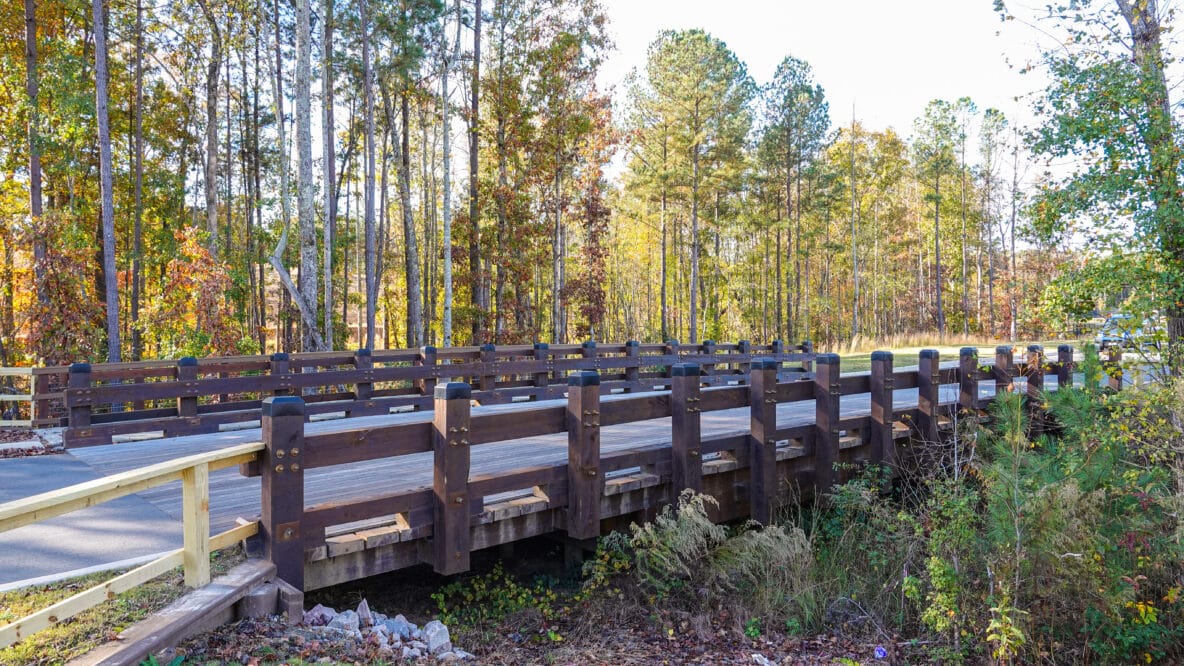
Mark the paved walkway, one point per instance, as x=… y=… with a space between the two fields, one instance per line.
x=139 y=526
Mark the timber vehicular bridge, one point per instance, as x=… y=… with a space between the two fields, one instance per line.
x=573 y=438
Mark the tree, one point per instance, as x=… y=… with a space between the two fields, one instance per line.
x=31 y=84
x=211 y=165
x=934 y=155
x=107 y=197
x=304 y=188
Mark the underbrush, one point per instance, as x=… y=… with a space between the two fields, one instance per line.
x=1050 y=535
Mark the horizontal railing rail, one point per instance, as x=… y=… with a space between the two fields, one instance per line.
x=193 y=472
x=16 y=403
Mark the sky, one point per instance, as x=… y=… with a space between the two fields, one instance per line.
x=888 y=58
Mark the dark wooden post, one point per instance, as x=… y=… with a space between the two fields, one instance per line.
x=187 y=375
x=744 y=347
x=968 y=379
x=1114 y=369
x=364 y=362
x=583 y=455
x=827 y=393
x=762 y=453
x=707 y=348
x=807 y=348
x=41 y=406
x=670 y=349
x=1064 y=366
x=281 y=365
x=427 y=359
x=1035 y=371
x=588 y=352
x=1003 y=369
x=80 y=379
x=633 y=353
x=928 y=395
x=685 y=433
x=283 y=486
x=883 y=445
x=542 y=353
x=489 y=362
x=451 y=537
x=776 y=348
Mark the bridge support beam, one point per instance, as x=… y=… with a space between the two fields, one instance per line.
x=283 y=487
x=685 y=433
x=451 y=536
x=584 y=481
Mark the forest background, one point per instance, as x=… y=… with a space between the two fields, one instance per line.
x=161 y=195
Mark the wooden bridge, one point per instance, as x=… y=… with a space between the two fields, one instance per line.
x=349 y=499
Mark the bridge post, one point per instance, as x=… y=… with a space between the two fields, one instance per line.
x=827 y=392
x=80 y=415
x=685 y=432
x=670 y=351
x=488 y=379
x=451 y=537
x=762 y=456
x=1003 y=369
x=584 y=481
x=633 y=370
x=1035 y=372
x=427 y=359
x=1064 y=366
x=1114 y=369
x=364 y=362
x=928 y=395
x=283 y=486
x=968 y=380
x=542 y=353
x=187 y=372
x=883 y=445
x=744 y=347
x=807 y=348
x=280 y=365
x=707 y=348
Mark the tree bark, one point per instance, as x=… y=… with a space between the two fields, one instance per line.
x=310 y=337
x=328 y=132
x=138 y=186
x=474 y=217
x=447 y=205
x=35 y=203
x=110 y=284
x=368 y=197
x=211 y=164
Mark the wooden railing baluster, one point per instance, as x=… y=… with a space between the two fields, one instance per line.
x=195 y=515
x=968 y=380
x=1064 y=366
x=1035 y=372
x=584 y=481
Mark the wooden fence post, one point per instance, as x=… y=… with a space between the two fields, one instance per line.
x=281 y=364
x=1065 y=366
x=883 y=445
x=283 y=486
x=968 y=380
x=633 y=372
x=195 y=516
x=451 y=535
x=762 y=455
x=744 y=347
x=928 y=395
x=489 y=374
x=187 y=372
x=427 y=359
x=542 y=352
x=1003 y=369
x=583 y=454
x=1114 y=369
x=685 y=433
x=364 y=386
x=80 y=379
x=808 y=348
x=1035 y=372
x=41 y=407
x=707 y=348
x=827 y=393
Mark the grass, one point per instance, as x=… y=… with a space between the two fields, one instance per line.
x=86 y=631
x=906 y=355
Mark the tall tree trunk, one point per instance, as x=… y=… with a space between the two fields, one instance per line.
x=941 y=315
x=138 y=188
x=368 y=113
x=110 y=284
x=211 y=164
x=309 y=283
x=474 y=218
x=694 y=321
x=965 y=275
x=854 y=245
x=328 y=139
x=35 y=209
x=449 y=59
x=410 y=244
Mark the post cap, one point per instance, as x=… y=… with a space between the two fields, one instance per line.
x=1003 y=349
x=279 y=356
x=187 y=361
x=283 y=405
x=541 y=345
x=453 y=391
x=427 y=349
x=685 y=370
x=930 y=353
x=827 y=359
x=362 y=352
x=1036 y=348
x=584 y=378
x=743 y=343
x=881 y=356
x=489 y=346
x=1065 y=349
x=764 y=364
x=807 y=344
x=708 y=342
x=672 y=342
x=968 y=351
x=80 y=367
x=632 y=343
x=590 y=344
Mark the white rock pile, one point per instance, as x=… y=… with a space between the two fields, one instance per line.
x=403 y=639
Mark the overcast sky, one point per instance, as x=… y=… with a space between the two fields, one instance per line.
x=887 y=58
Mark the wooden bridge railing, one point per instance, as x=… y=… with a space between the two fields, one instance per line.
x=12 y=398
x=193 y=472
x=191 y=396
x=747 y=472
